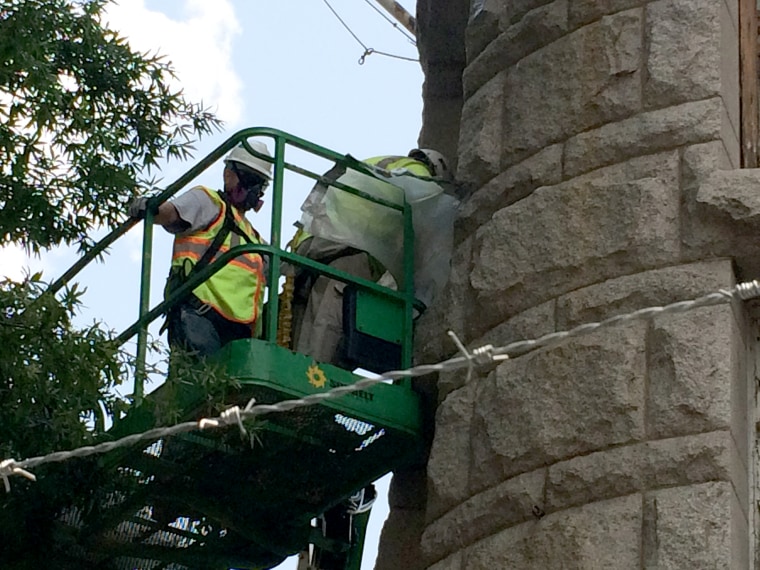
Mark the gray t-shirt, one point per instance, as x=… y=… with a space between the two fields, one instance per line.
x=196 y=208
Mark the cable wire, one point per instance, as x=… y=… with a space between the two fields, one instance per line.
x=388 y=19
x=367 y=50
x=481 y=355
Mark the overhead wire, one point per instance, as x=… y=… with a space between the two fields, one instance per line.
x=388 y=19
x=481 y=355
x=367 y=50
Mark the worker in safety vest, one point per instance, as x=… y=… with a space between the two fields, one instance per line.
x=317 y=301
x=207 y=223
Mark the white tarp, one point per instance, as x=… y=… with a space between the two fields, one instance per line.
x=334 y=214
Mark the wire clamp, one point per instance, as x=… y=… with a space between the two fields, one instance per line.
x=748 y=290
x=482 y=355
x=9 y=467
x=228 y=417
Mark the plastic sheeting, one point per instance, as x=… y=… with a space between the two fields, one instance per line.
x=337 y=215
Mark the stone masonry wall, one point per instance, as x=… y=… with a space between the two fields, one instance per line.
x=598 y=146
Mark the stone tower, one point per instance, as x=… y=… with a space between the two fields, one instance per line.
x=602 y=148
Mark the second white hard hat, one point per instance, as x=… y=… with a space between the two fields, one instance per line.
x=434 y=160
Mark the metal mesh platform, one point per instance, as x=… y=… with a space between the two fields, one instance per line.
x=212 y=499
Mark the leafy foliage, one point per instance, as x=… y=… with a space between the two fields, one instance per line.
x=57 y=382
x=82 y=118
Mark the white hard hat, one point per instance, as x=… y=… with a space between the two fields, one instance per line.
x=434 y=160
x=241 y=155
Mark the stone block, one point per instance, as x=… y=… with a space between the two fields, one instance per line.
x=538 y=28
x=639 y=467
x=453 y=562
x=733 y=193
x=583 y=12
x=564 y=237
x=691 y=371
x=688 y=527
x=542 y=169
x=505 y=505
x=722 y=213
x=580 y=81
x=399 y=545
x=530 y=324
x=629 y=293
x=517 y=9
x=646 y=133
x=663 y=165
x=683 y=62
x=481 y=134
x=482 y=26
x=582 y=396
x=449 y=463
x=699 y=162
x=599 y=536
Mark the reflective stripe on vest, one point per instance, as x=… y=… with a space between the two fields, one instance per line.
x=236 y=290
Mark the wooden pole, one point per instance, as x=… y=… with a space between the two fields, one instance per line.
x=400 y=14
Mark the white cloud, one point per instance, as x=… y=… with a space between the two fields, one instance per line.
x=199 y=46
x=15 y=263
x=12 y=262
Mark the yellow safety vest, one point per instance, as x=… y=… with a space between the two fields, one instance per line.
x=237 y=290
x=394 y=162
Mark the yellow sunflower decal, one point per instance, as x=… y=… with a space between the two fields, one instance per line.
x=316 y=377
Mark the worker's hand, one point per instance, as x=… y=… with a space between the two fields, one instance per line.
x=138 y=207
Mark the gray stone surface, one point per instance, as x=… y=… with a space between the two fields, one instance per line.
x=599 y=536
x=692 y=70
x=691 y=372
x=542 y=169
x=399 y=541
x=538 y=28
x=549 y=97
x=734 y=193
x=483 y=25
x=688 y=527
x=517 y=9
x=453 y=562
x=564 y=237
x=647 y=289
x=646 y=133
x=583 y=396
x=583 y=12
x=449 y=464
x=481 y=134
x=639 y=467
x=505 y=505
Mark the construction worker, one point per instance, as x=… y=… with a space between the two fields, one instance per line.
x=206 y=223
x=317 y=301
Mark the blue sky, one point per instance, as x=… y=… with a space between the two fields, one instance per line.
x=288 y=64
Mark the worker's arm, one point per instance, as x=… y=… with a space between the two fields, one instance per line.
x=167 y=215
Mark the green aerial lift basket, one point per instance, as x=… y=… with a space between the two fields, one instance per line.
x=213 y=499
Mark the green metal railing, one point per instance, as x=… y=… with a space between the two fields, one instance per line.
x=282 y=141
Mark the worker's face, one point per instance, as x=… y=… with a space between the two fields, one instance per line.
x=244 y=188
